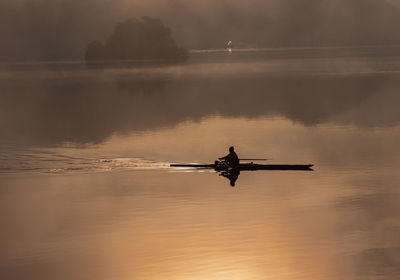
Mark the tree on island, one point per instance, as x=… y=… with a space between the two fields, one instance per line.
x=144 y=38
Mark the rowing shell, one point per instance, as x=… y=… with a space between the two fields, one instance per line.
x=249 y=166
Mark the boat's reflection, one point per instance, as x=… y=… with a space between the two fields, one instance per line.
x=232 y=175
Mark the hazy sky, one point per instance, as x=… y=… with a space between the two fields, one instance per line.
x=61 y=29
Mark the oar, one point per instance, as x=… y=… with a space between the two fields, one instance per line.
x=254 y=159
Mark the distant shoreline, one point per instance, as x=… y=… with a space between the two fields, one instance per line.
x=205 y=51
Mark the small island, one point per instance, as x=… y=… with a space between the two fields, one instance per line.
x=137 y=39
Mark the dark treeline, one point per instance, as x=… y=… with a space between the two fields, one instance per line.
x=146 y=38
x=61 y=29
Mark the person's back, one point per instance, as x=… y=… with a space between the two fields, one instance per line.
x=232 y=159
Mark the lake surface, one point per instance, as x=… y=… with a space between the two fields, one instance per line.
x=86 y=191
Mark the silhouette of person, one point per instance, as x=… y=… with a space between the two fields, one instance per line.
x=231 y=159
x=232 y=175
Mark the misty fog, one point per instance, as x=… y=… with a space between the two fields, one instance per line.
x=89 y=107
x=61 y=29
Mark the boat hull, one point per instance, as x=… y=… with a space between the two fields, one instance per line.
x=249 y=166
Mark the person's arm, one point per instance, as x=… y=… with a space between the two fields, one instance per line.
x=222 y=158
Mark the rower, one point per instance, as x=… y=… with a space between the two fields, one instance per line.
x=231 y=159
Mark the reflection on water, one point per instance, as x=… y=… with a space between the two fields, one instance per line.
x=86 y=191
x=41 y=107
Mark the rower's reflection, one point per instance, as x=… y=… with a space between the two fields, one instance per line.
x=232 y=175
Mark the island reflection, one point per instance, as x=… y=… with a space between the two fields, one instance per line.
x=88 y=106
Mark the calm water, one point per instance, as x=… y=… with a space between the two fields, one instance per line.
x=86 y=191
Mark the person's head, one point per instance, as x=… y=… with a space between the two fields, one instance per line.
x=231 y=149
